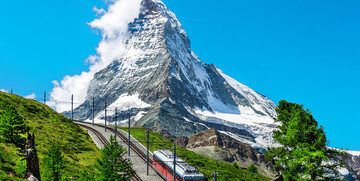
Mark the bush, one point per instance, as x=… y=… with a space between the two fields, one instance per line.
x=21 y=167
x=3 y=155
x=252 y=169
x=236 y=165
x=86 y=176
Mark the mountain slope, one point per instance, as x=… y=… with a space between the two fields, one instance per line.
x=50 y=126
x=167 y=88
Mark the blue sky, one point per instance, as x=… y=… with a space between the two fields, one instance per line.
x=305 y=52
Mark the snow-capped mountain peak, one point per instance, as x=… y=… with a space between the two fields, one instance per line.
x=174 y=91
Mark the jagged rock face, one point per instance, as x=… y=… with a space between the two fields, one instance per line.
x=352 y=163
x=185 y=96
x=218 y=146
x=236 y=150
x=181 y=141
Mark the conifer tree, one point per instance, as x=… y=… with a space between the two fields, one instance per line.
x=113 y=166
x=54 y=162
x=11 y=125
x=302 y=153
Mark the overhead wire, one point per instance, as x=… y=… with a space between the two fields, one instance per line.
x=121 y=113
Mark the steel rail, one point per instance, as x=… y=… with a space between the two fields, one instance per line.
x=104 y=141
x=140 y=153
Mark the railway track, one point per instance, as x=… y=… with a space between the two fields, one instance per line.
x=104 y=141
x=133 y=147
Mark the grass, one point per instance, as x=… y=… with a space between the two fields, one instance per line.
x=227 y=171
x=49 y=126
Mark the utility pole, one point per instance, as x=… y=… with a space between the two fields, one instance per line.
x=129 y=133
x=72 y=107
x=105 y=115
x=174 y=162
x=93 y=111
x=44 y=97
x=147 y=152
x=115 y=123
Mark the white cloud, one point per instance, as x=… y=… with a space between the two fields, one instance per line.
x=31 y=96
x=3 y=90
x=113 y=25
x=99 y=11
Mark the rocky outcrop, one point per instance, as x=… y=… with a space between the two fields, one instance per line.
x=352 y=163
x=234 y=150
x=181 y=141
x=222 y=147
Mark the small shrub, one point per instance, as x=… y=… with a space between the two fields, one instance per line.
x=85 y=176
x=3 y=155
x=4 y=176
x=236 y=165
x=252 y=169
x=21 y=167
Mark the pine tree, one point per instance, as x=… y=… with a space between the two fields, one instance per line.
x=11 y=125
x=54 y=162
x=302 y=154
x=113 y=166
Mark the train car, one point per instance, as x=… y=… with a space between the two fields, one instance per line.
x=163 y=161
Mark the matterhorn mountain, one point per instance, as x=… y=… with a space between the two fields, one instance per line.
x=162 y=85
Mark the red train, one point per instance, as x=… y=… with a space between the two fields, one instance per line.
x=164 y=163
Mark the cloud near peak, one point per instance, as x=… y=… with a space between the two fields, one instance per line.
x=113 y=25
x=3 y=90
x=31 y=96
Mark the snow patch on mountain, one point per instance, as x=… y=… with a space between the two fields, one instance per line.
x=258 y=101
x=139 y=115
x=354 y=153
x=261 y=127
x=243 y=118
x=124 y=103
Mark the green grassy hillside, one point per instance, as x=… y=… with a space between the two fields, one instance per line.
x=48 y=126
x=206 y=165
